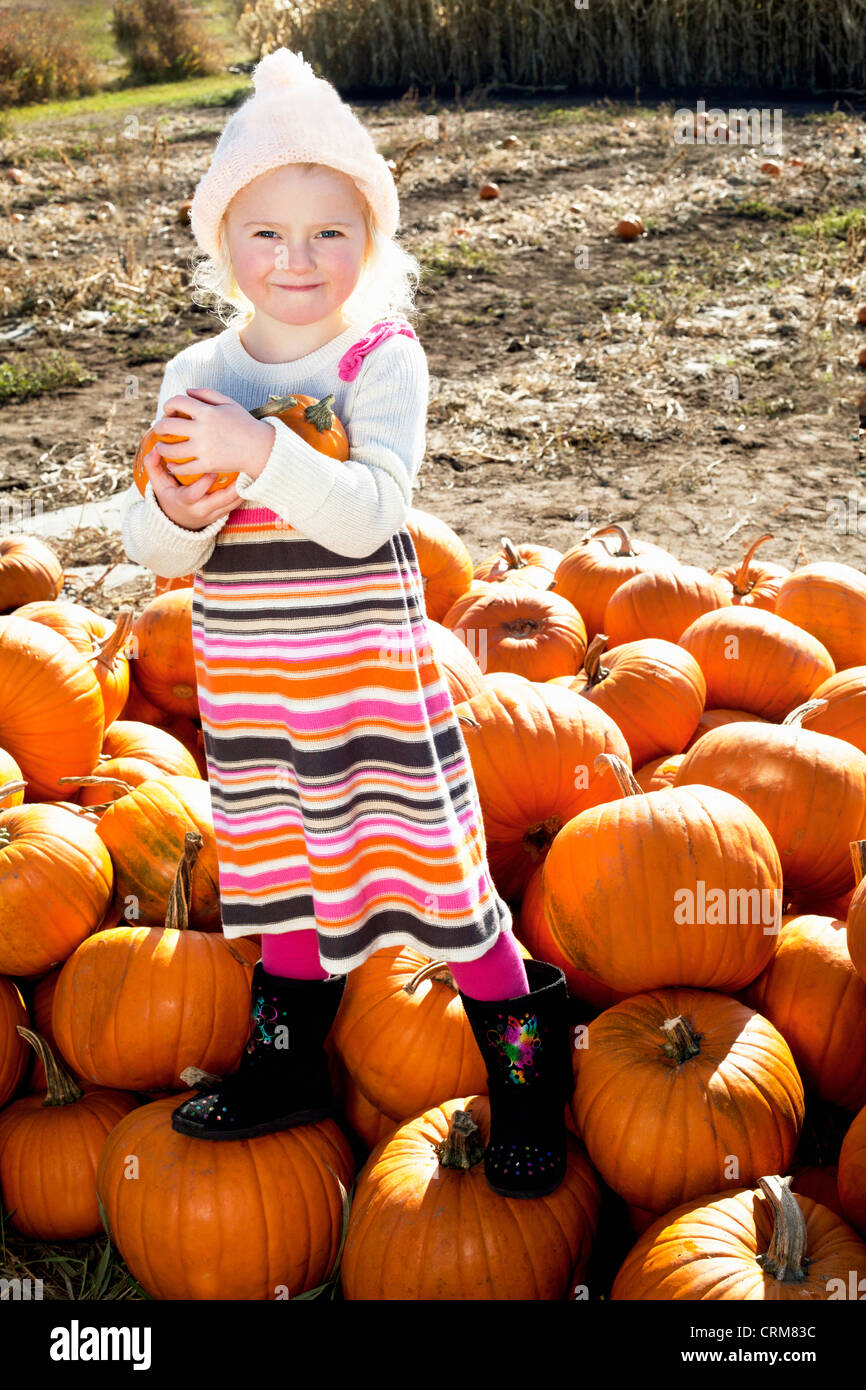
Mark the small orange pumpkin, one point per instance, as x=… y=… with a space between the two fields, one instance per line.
x=49 y=1149
x=311 y=418
x=29 y=570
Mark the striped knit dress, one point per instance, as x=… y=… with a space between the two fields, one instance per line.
x=342 y=792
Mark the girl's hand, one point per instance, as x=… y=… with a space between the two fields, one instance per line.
x=223 y=437
x=190 y=506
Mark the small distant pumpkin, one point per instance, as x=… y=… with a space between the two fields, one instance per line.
x=630 y=227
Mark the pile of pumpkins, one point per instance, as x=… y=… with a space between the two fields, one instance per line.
x=671 y=765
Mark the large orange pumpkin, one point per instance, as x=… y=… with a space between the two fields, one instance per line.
x=756 y=661
x=680 y=886
x=50 y=703
x=13 y=1048
x=828 y=600
x=56 y=881
x=753 y=1245
x=809 y=789
x=702 y=1079
x=662 y=603
x=593 y=569
x=424 y=1190
x=135 y=1006
x=814 y=996
x=516 y=627
x=49 y=1149
x=101 y=643
x=144 y=832
x=754 y=583
x=652 y=689
x=257 y=1219
x=533 y=747
x=29 y=570
x=444 y=563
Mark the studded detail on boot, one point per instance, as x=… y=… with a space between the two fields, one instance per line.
x=283 y=1078
x=525 y=1043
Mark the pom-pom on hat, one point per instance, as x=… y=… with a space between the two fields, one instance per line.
x=293 y=117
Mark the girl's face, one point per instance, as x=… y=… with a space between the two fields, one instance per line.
x=297 y=228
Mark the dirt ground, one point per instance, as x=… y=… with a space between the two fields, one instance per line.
x=699 y=384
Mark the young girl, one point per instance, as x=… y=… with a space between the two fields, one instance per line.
x=345 y=811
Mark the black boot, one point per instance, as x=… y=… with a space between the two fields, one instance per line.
x=283 y=1076
x=525 y=1043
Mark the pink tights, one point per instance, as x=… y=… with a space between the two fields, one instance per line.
x=498 y=974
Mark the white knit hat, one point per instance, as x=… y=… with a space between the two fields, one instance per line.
x=293 y=117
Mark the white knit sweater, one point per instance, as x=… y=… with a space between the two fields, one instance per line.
x=350 y=508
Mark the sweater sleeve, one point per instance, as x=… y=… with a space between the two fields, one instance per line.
x=152 y=539
x=353 y=507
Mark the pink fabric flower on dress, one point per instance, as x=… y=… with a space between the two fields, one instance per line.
x=350 y=362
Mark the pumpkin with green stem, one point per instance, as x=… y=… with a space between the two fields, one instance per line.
x=49 y=1149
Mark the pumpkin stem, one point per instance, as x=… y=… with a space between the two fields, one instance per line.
x=515 y=561
x=682 y=1042
x=106 y=654
x=538 y=837
x=786 y=1257
x=468 y=721
x=595 y=672
x=10 y=789
x=857 y=848
x=320 y=414
x=177 y=916
x=742 y=585
x=622 y=772
x=274 y=405
x=434 y=970
x=463 y=1147
x=625 y=546
x=61 y=1088
x=797 y=715
x=94 y=780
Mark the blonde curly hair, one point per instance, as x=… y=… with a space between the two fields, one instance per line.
x=386 y=287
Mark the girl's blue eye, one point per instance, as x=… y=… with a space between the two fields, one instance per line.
x=331 y=231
